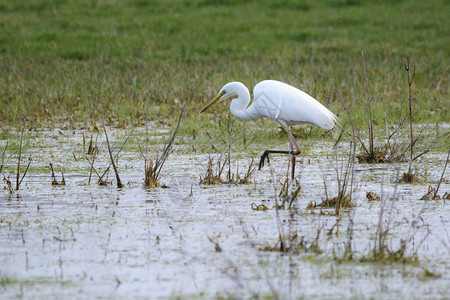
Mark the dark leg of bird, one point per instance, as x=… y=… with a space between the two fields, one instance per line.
x=266 y=155
x=292 y=152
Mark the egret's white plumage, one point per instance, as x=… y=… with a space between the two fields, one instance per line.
x=277 y=101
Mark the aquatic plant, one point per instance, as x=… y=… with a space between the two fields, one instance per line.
x=432 y=193
x=93 y=150
x=152 y=168
x=289 y=193
x=382 y=250
x=345 y=178
x=54 y=181
x=215 y=177
x=211 y=177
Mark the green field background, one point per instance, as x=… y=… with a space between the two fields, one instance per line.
x=80 y=60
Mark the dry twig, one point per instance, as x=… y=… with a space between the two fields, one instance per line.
x=119 y=183
x=18 y=179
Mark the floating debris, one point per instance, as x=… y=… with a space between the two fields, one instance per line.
x=343 y=201
x=372 y=196
x=432 y=195
x=409 y=178
x=259 y=207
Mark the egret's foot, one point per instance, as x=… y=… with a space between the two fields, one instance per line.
x=263 y=158
x=266 y=155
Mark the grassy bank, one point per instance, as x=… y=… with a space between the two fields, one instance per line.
x=79 y=60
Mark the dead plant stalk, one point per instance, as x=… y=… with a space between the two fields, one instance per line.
x=350 y=168
x=410 y=98
x=442 y=176
x=3 y=156
x=18 y=182
x=369 y=100
x=119 y=183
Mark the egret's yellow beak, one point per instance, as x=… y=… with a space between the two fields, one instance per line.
x=214 y=101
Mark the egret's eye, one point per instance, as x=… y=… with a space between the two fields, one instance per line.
x=223 y=93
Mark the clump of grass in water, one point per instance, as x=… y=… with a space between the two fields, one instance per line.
x=8 y=184
x=290 y=242
x=248 y=174
x=18 y=178
x=372 y=196
x=152 y=168
x=409 y=177
x=433 y=192
x=297 y=245
x=373 y=154
x=286 y=195
x=382 y=251
x=344 y=178
x=119 y=182
x=214 y=175
x=391 y=152
x=341 y=200
x=92 y=149
x=54 y=181
x=151 y=174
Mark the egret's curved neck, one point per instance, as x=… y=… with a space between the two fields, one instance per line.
x=238 y=106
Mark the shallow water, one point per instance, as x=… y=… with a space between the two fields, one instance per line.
x=90 y=241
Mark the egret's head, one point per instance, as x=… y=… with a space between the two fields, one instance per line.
x=226 y=92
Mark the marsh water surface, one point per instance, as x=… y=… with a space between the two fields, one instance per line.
x=186 y=239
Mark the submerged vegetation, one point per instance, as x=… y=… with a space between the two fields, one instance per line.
x=215 y=169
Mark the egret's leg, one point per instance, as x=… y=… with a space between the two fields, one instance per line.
x=293 y=166
x=292 y=160
x=292 y=140
x=293 y=153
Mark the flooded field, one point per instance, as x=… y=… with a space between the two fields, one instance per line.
x=186 y=239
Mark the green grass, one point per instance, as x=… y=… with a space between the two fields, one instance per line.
x=73 y=60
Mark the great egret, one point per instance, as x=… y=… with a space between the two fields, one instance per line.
x=279 y=102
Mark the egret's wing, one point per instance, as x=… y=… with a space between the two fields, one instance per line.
x=282 y=102
x=268 y=99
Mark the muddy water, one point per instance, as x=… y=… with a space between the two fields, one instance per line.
x=190 y=240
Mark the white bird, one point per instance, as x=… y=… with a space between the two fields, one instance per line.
x=279 y=102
